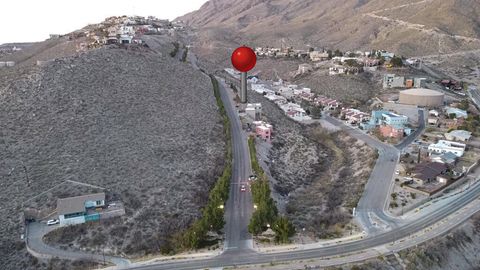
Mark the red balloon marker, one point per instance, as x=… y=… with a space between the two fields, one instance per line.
x=244 y=59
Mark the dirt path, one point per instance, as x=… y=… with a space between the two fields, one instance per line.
x=418 y=27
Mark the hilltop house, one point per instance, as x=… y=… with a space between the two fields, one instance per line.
x=75 y=210
x=447 y=146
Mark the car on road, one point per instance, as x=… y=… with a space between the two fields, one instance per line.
x=243 y=188
x=53 y=222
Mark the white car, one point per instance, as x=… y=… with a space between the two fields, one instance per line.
x=397 y=172
x=53 y=222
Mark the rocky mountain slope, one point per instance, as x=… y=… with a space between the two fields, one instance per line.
x=122 y=119
x=408 y=27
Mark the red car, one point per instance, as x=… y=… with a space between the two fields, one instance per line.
x=243 y=188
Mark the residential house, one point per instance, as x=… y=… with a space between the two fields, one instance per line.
x=419 y=82
x=387 y=55
x=393 y=81
x=391 y=123
x=316 y=56
x=304 y=68
x=125 y=39
x=428 y=172
x=447 y=146
x=254 y=111
x=75 y=210
x=336 y=70
x=456 y=111
x=327 y=103
x=354 y=116
x=433 y=113
x=445 y=158
x=458 y=135
x=389 y=131
x=432 y=121
x=263 y=130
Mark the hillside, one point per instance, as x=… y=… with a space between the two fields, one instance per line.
x=121 y=119
x=408 y=27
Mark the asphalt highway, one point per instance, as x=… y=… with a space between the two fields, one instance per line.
x=239 y=206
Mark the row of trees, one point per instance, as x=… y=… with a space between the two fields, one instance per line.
x=213 y=214
x=266 y=212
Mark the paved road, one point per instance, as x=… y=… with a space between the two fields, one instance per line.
x=372 y=203
x=370 y=211
x=36 y=246
x=239 y=206
x=228 y=259
x=407 y=141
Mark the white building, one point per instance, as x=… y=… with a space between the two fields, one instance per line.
x=254 y=111
x=447 y=147
x=304 y=68
x=316 y=56
x=456 y=111
x=458 y=135
x=75 y=210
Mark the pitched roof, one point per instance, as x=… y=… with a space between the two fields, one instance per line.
x=429 y=170
x=77 y=204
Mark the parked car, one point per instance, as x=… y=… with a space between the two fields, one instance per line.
x=397 y=172
x=252 y=177
x=53 y=222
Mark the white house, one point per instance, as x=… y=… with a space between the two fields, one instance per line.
x=458 y=135
x=447 y=147
x=75 y=210
x=254 y=111
x=456 y=111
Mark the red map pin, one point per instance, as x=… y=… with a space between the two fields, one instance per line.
x=244 y=59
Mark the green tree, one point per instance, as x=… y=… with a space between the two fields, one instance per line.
x=464 y=104
x=283 y=229
x=396 y=61
x=352 y=63
x=316 y=112
x=330 y=54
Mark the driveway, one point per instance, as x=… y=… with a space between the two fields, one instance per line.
x=35 y=245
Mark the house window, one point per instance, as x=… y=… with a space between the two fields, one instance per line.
x=98 y=202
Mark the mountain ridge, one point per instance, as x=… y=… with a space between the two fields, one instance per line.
x=405 y=26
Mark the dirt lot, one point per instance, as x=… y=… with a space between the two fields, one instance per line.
x=126 y=120
x=318 y=177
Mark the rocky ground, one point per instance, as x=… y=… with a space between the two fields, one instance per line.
x=125 y=120
x=317 y=176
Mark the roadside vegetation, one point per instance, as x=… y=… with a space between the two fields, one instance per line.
x=185 y=54
x=266 y=212
x=212 y=219
x=176 y=47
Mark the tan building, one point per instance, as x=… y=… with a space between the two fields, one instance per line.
x=422 y=97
